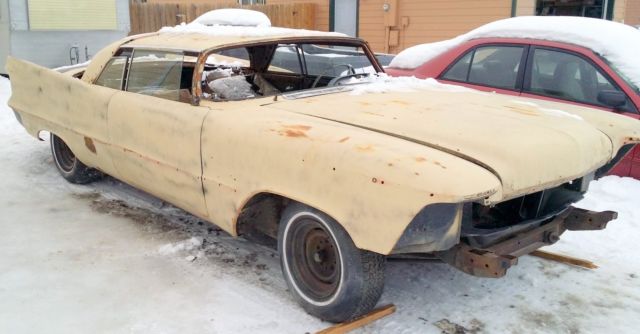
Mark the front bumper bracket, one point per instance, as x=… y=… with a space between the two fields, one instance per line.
x=496 y=259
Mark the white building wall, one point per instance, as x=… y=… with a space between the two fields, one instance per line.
x=51 y=48
x=5 y=45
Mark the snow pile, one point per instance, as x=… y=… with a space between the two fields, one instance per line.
x=417 y=55
x=5 y=93
x=242 y=31
x=234 y=17
x=615 y=193
x=383 y=83
x=617 y=42
x=66 y=68
x=549 y=111
x=185 y=245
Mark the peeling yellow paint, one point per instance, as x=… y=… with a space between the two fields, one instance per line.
x=211 y=159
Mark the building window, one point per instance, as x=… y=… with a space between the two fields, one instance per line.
x=252 y=2
x=601 y=9
x=72 y=15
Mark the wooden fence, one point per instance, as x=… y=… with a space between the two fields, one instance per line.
x=148 y=17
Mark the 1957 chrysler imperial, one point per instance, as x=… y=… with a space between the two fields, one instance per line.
x=250 y=129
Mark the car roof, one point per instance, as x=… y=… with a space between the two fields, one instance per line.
x=214 y=37
x=532 y=41
x=198 y=38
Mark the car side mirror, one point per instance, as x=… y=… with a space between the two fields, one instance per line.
x=612 y=98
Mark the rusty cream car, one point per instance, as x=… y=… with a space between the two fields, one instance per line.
x=234 y=127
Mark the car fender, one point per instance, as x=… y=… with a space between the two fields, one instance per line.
x=46 y=100
x=372 y=184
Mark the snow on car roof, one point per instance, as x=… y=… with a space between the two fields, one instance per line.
x=243 y=31
x=618 y=43
x=198 y=37
x=234 y=17
x=233 y=24
x=220 y=27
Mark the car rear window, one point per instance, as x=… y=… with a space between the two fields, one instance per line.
x=491 y=66
x=158 y=73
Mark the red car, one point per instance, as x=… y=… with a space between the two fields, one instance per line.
x=530 y=66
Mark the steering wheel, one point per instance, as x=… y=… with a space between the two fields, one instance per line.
x=323 y=74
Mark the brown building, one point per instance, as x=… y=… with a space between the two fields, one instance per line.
x=393 y=25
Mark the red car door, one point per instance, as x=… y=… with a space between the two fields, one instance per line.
x=572 y=77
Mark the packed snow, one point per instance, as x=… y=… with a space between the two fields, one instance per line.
x=237 y=25
x=240 y=31
x=72 y=67
x=106 y=258
x=618 y=43
x=181 y=246
x=549 y=111
x=234 y=17
x=382 y=83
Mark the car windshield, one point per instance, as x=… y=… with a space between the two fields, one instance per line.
x=626 y=79
x=271 y=69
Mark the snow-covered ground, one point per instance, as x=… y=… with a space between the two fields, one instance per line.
x=106 y=258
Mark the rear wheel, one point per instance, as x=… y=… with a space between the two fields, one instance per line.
x=72 y=169
x=326 y=273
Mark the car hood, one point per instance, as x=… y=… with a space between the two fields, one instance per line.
x=528 y=147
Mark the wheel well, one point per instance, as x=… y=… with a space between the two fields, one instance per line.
x=259 y=218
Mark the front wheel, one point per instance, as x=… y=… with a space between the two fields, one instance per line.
x=326 y=273
x=72 y=169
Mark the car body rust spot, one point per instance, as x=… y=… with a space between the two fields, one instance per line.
x=365 y=148
x=88 y=142
x=399 y=102
x=373 y=113
x=294 y=131
x=421 y=159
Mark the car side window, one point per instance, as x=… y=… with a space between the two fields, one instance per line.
x=460 y=70
x=492 y=66
x=567 y=76
x=286 y=59
x=161 y=74
x=496 y=66
x=113 y=73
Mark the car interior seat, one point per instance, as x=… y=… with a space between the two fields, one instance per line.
x=501 y=73
x=566 y=82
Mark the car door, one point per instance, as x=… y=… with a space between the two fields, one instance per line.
x=155 y=132
x=489 y=67
x=569 y=77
